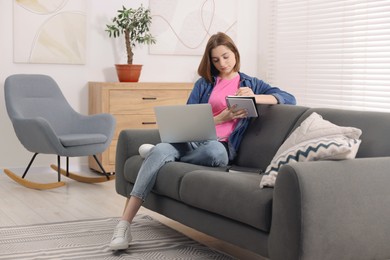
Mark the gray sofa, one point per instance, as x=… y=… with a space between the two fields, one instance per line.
x=317 y=210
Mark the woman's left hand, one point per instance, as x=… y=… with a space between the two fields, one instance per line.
x=229 y=114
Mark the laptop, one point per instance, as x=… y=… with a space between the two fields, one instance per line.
x=185 y=123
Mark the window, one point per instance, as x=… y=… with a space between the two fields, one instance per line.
x=329 y=53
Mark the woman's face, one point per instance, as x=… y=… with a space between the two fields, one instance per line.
x=223 y=60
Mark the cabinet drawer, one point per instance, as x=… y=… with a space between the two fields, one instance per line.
x=134 y=121
x=143 y=101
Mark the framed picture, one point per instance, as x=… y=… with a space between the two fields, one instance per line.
x=49 y=31
x=187 y=31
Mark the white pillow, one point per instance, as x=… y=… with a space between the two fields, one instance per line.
x=315 y=139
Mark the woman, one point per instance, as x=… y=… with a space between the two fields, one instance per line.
x=220 y=77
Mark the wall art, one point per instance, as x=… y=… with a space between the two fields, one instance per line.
x=49 y=31
x=183 y=27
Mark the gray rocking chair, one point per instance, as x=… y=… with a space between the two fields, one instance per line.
x=44 y=122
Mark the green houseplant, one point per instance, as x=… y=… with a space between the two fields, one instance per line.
x=134 y=25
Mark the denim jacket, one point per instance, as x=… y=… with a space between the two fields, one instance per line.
x=201 y=94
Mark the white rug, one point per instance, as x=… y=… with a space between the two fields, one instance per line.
x=88 y=239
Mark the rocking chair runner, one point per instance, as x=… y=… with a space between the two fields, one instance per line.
x=44 y=122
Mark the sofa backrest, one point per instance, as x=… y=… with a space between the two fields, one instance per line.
x=276 y=122
x=375 y=128
x=266 y=134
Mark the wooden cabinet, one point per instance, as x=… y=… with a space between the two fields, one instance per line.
x=132 y=106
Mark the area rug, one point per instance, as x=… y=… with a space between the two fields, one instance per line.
x=88 y=239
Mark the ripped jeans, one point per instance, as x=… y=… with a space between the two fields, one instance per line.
x=208 y=153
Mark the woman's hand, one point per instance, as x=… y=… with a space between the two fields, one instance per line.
x=229 y=114
x=245 y=91
x=260 y=99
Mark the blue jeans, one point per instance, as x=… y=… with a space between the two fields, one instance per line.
x=208 y=153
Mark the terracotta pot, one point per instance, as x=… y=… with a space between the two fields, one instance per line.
x=128 y=72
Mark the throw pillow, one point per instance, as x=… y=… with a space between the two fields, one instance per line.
x=315 y=139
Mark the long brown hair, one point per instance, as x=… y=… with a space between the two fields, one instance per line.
x=206 y=67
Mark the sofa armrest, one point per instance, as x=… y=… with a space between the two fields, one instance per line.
x=129 y=141
x=332 y=210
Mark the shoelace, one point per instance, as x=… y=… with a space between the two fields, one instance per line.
x=120 y=231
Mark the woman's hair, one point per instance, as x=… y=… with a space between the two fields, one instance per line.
x=206 y=67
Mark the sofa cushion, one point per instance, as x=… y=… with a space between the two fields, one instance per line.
x=233 y=195
x=315 y=139
x=168 y=178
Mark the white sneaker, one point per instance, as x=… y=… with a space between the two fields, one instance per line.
x=144 y=150
x=122 y=236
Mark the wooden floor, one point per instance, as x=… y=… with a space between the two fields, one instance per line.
x=75 y=201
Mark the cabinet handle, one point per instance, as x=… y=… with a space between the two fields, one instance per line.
x=148 y=123
x=149 y=98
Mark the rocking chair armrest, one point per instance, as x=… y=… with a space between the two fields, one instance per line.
x=100 y=123
x=36 y=135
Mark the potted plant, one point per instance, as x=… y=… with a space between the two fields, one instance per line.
x=134 y=24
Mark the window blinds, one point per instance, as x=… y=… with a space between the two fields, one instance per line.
x=331 y=53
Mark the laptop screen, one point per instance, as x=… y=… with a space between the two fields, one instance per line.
x=185 y=123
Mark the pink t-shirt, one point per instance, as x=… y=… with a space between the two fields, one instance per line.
x=223 y=88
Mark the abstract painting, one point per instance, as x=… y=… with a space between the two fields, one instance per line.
x=49 y=31
x=183 y=27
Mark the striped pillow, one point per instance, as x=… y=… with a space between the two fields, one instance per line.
x=315 y=139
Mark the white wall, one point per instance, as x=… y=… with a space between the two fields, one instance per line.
x=102 y=53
